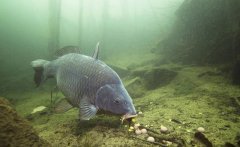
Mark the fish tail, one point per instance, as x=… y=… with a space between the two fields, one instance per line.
x=39 y=66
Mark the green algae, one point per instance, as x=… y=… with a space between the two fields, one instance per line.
x=15 y=130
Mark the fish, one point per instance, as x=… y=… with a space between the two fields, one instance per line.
x=67 y=49
x=87 y=83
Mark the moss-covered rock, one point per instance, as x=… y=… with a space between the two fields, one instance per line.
x=158 y=77
x=135 y=87
x=16 y=131
x=122 y=72
x=212 y=38
x=155 y=77
x=236 y=73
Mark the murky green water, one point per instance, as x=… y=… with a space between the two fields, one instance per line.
x=179 y=60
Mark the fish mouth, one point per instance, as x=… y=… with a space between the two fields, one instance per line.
x=128 y=116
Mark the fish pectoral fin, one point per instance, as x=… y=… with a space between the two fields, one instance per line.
x=87 y=110
x=62 y=106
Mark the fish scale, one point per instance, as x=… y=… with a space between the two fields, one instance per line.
x=79 y=75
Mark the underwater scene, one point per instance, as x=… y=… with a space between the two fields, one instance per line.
x=116 y=73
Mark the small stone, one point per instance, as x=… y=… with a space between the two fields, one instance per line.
x=150 y=139
x=163 y=129
x=188 y=130
x=144 y=131
x=140 y=113
x=38 y=109
x=200 y=129
x=168 y=143
x=136 y=126
x=138 y=132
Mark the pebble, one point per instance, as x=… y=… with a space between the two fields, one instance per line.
x=168 y=143
x=140 y=112
x=163 y=129
x=38 y=109
x=144 y=131
x=138 y=132
x=136 y=126
x=200 y=129
x=150 y=139
x=188 y=130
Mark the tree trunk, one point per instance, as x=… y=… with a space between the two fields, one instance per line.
x=80 y=23
x=54 y=25
x=105 y=17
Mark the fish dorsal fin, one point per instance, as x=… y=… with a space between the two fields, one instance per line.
x=62 y=106
x=87 y=110
x=95 y=55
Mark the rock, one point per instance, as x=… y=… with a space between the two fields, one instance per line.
x=132 y=66
x=150 y=139
x=158 y=77
x=122 y=72
x=136 y=126
x=144 y=79
x=155 y=77
x=138 y=132
x=200 y=129
x=168 y=143
x=39 y=109
x=135 y=88
x=144 y=131
x=236 y=72
x=163 y=129
x=15 y=130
